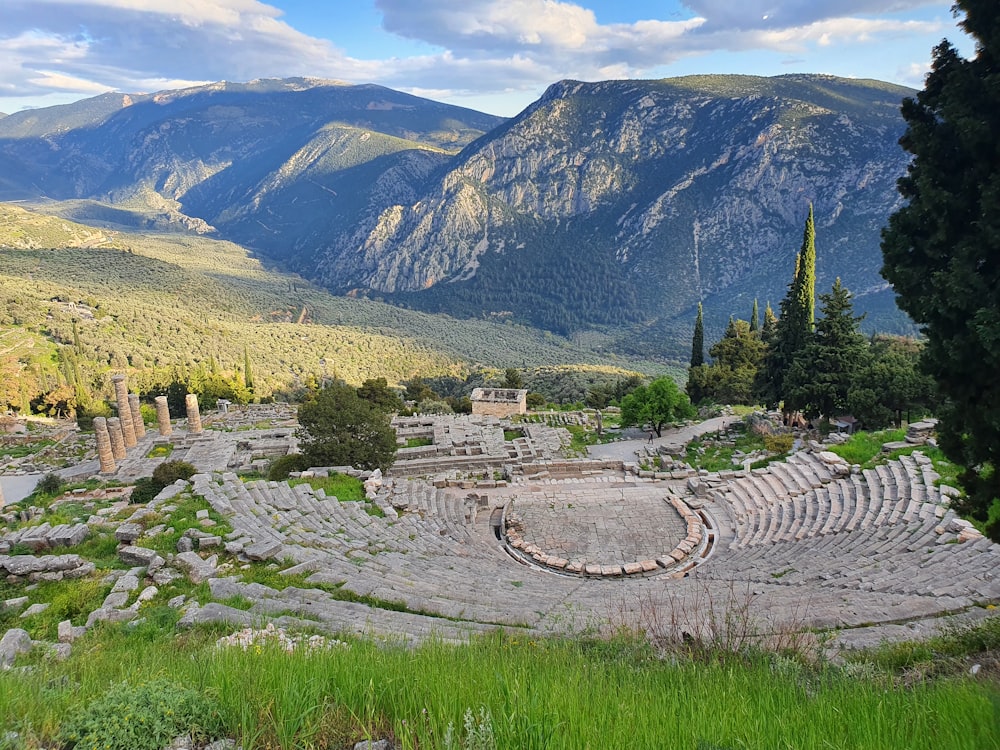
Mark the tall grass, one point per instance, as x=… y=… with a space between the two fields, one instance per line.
x=536 y=694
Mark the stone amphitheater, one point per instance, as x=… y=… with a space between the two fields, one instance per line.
x=479 y=531
x=484 y=525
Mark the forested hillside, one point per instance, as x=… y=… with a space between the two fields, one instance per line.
x=76 y=302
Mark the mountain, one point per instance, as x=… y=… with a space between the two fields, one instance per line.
x=263 y=159
x=624 y=203
x=604 y=211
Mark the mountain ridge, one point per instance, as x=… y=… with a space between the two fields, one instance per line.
x=607 y=207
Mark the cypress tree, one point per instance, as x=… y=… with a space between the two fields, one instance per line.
x=793 y=330
x=754 y=318
x=247 y=372
x=941 y=249
x=805 y=281
x=698 y=340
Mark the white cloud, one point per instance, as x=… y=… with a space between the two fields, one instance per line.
x=480 y=48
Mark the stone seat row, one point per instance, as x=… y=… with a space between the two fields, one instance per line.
x=774 y=504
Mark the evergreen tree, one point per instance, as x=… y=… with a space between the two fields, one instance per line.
x=247 y=372
x=805 y=281
x=829 y=366
x=342 y=429
x=698 y=340
x=941 y=251
x=793 y=328
x=736 y=358
x=754 y=318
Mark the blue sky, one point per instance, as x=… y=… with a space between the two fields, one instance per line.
x=492 y=55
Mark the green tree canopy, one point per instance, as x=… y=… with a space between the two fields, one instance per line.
x=736 y=358
x=826 y=369
x=941 y=250
x=378 y=392
x=339 y=428
x=655 y=405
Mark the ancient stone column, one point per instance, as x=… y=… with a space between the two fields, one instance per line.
x=163 y=415
x=133 y=406
x=104 y=452
x=124 y=413
x=117 y=438
x=194 y=418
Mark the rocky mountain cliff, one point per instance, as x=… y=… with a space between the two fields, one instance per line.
x=603 y=209
x=646 y=196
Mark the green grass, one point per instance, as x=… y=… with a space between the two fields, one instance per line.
x=180 y=520
x=551 y=694
x=161 y=451
x=864 y=447
x=24 y=449
x=419 y=442
x=343 y=487
x=511 y=435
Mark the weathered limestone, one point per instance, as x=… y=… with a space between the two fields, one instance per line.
x=137 y=426
x=124 y=411
x=162 y=415
x=2 y=501
x=194 y=417
x=105 y=453
x=499 y=402
x=117 y=438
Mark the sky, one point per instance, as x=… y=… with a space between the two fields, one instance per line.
x=496 y=56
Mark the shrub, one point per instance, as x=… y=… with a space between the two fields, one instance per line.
x=50 y=484
x=141 y=717
x=779 y=443
x=170 y=471
x=145 y=490
x=281 y=467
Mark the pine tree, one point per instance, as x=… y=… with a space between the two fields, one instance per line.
x=825 y=371
x=698 y=340
x=754 y=318
x=941 y=250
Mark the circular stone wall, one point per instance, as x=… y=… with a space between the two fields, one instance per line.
x=605 y=532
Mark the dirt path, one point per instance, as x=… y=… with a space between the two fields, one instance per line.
x=673 y=439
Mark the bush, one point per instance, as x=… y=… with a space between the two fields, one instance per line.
x=50 y=484
x=145 y=490
x=170 y=471
x=281 y=467
x=779 y=443
x=141 y=717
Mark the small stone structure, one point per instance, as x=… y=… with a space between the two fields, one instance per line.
x=499 y=402
x=124 y=411
x=118 y=449
x=194 y=417
x=162 y=415
x=136 y=413
x=105 y=453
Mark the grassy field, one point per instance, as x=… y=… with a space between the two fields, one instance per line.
x=495 y=692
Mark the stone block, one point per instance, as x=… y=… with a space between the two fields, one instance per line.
x=207 y=542
x=132 y=555
x=13 y=605
x=197 y=570
x=15 y=641
x=164 y=576
x=128 y=532
x=66 y=632
x=34 y=609
x=83 y=570
x=263 y=550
